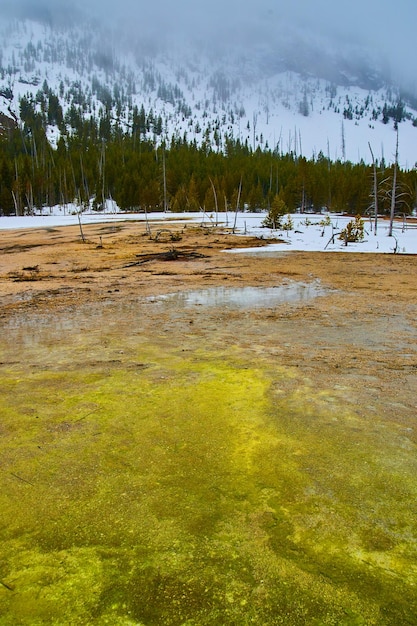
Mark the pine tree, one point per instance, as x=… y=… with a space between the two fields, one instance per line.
x=276 y=213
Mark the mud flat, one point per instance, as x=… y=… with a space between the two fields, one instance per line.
x=181 y=443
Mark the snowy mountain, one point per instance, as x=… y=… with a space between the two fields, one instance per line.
x=298 y=96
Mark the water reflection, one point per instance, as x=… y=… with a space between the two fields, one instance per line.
x=247 y=297
x=94 y=320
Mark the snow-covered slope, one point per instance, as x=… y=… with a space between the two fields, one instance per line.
x=260 y=98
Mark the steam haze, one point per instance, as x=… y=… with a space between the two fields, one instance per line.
x=385 y=29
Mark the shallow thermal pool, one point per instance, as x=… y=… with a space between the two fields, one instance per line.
x=154 y=473
x=246 y=297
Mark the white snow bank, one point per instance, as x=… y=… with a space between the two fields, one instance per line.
x=308 y=232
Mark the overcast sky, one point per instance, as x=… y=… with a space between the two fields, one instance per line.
x=386 y=27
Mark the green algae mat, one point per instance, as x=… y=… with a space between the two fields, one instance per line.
x=150 y=481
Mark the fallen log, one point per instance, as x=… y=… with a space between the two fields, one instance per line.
x=170 y=255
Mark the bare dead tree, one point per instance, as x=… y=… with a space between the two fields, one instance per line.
x=164 y=173
x=215 y=200
x=102 y=170
x=237 y=204
x=84 y=182
x=16 y=205
x=225 y=210
x=29 y=199
x=375 y=191
x=255 y=122
x=80 y=225
x=148 y=226
x=16 y=196
x=394 y=189
x=343 y=142
x=329 y=193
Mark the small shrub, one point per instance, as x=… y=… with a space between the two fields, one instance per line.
x=326 y=221
x=354 y=231
x=275 y=214
x=288 y=224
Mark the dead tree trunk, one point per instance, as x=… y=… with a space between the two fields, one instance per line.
x=237 y=204
x=375 y=191
x=215 y=201
x=394 y=189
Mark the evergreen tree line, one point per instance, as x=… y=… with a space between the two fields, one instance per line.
x=97 y=159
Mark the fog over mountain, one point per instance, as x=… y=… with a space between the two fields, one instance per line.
x=303 y=79
x=119 y=85
x=374 y=31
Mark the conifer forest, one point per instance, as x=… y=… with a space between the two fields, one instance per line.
x=97 y=159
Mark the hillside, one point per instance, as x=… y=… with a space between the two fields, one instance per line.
x=315 y=101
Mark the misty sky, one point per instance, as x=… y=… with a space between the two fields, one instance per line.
x=387 y=28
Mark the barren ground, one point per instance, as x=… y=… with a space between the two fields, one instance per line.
x=167 y=463
x=364 y=329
